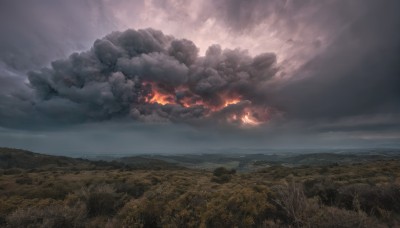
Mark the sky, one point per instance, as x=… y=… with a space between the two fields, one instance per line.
x=175 y=76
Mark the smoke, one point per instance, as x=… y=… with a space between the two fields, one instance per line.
x=147 y=76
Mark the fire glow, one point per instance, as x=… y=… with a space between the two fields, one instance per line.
x=231 y=101
x=160 y=98
x=246 y=117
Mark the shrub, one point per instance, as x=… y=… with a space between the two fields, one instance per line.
x=222 y=179
x=134 y=189
x=237 y=207
x=222 y=175
x=293 y=204
x=2 y=221
x=53 y=190
x=336 y=217
x=220 y=171
x=12 y=171
x=371 y=199
x=100 y=200
x=324 y=188
x=24 y=180
x=143 y=213
x=50 y=216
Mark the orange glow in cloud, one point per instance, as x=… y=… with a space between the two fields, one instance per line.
x=231 y=101
x=248 y=117
x=248 y=120
x=190 y=101
x=161 y=98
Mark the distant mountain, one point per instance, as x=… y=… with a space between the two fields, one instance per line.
x=248 y=162
x=142 y=162
x=23 y=159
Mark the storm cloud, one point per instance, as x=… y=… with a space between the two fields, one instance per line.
x=124 y=73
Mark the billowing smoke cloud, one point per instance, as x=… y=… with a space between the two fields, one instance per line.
x=148 y=76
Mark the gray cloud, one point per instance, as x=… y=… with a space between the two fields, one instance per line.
x=243 y=16
x=358 y=74
x=33 y=34
x=123 y=72
x=36 y=32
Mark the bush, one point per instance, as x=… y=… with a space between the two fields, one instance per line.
x=50 y=216
x=12 y=171
x=336 y=217
x=134 y=189
x=222 y=175
x=299 y=211
x=220 y=171
x=52 y=190
x=222 y=179
x=371 y=199
x=143 y=213
x=2 y=221
x=24 y=180
x=237 y=207
x=100 y=200
x=324 y=188
x=293 y=205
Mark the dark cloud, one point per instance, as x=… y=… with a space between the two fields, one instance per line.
x=123 y=72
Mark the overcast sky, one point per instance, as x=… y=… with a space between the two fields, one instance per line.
x=165 y=76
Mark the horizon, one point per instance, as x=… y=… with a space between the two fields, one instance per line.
x=221 y=152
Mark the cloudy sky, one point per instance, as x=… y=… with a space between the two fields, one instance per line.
x=165 y=76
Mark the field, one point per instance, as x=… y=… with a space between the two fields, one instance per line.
x=48 y=191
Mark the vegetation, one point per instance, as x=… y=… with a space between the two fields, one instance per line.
x=82 y=194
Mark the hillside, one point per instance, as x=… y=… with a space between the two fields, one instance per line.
x=21 y=159
x=16 y=158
